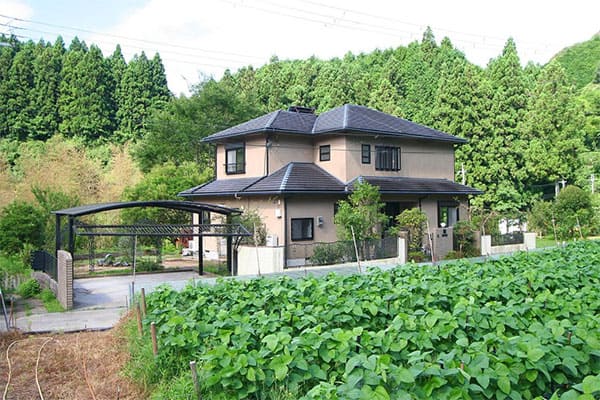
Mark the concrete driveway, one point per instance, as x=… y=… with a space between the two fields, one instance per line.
x=113 y=292
x=99 y=303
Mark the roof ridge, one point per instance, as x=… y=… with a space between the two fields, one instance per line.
x=286 y=176
x=345 y=120
x=272 y=119
x=254 y=182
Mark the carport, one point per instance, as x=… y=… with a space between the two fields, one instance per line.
x=231 y=231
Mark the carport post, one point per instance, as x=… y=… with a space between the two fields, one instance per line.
x=229 y=249
x=57 y=237
x=71 y=236
x=200 y=255
x=230 y=255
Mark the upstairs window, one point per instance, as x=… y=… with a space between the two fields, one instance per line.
x=365 y=153
x=387 y=158
x=302 y=229
x=235 y=158
x=325 y=153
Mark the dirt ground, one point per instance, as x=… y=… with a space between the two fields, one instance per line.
x=78 y=366
x=82 y=268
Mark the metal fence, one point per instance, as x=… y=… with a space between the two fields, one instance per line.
x=340 y=252
x=43 y=261
x=508 y=238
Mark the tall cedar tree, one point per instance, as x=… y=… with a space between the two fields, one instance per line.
x=554 y=128
x=142 y=88
x=7 y=54
x=47 y=69
x=117 y=67
x=506 y=173
x=19 y=106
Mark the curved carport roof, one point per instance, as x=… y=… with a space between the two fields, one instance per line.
x=190 y=206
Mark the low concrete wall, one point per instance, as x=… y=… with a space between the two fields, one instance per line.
x=263 y=260
x=65 y=279
x=487 y=249
x=13 y=281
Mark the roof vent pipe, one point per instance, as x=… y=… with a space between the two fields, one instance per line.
x=302 y=110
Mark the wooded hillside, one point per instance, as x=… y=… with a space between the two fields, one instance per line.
x=528 y=127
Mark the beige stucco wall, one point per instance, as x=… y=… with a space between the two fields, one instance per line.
x=255 y=158
x=287 y=148
x=338 y=163
x=307 y=207
x=418 y=159
x=270 y=209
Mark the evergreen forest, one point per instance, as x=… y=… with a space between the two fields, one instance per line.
x=78 y=126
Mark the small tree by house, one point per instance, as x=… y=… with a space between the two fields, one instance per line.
x=252 y=221
x=574 y=213
x=539 y=218
x=362 y=212
x=414 y=222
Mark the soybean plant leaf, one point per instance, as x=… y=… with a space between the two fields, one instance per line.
x=570 y=395
x=380 y=394
x=404 y=375
x=591 y=384
x=317 y=372
x=504 y=384
x=270 y=341
x=251 y=375
x=535 y=354
x=353 y=363
x=531 y=375
x=483 y=380
x=280 y=371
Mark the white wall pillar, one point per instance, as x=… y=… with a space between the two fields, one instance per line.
x=486 y=245
x=529 y=240
x=402 y=250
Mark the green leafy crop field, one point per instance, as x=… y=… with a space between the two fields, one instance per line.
x=519 y=327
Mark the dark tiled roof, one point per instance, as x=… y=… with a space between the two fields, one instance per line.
x=347 y=118
x=220 y=187
x=355 y=118
x=402 y=185
x=307 y=178
x=297 y=177
x=280 y=121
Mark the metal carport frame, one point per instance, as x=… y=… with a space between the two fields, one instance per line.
x=229 y=230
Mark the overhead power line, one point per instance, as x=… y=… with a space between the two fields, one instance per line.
x=158 y=43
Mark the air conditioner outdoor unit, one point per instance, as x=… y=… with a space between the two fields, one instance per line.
x=272 y=241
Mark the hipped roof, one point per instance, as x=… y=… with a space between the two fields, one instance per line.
x=348 y=118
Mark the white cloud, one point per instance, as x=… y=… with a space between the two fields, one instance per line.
x=14 y=8
x=205 y=37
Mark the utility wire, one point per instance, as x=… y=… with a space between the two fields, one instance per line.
x=129 y=38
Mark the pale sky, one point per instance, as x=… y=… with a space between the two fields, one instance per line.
x=205 y=37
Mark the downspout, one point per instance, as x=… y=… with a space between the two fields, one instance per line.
x=285 y=233
x=267 y=147
x=215 y=163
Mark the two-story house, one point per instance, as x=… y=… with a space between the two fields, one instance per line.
x=293 y=166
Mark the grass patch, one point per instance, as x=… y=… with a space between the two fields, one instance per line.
x=544 y=241
x=216 y=267
x=115 y=271
x=50 y=301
